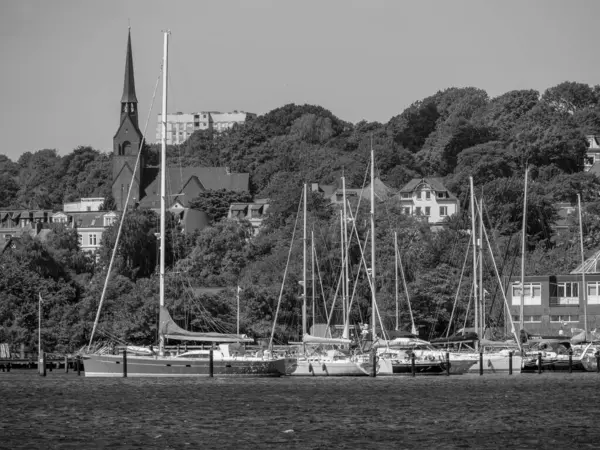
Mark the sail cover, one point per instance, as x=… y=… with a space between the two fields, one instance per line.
x=308 y=339
x=169 y=329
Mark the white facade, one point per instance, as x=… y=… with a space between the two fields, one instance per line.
x=593 y=153
x=83 y=205
x=428 y=198
x=180 y=126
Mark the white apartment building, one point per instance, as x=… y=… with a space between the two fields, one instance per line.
x=180 y=126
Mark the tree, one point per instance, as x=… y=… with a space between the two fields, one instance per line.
x=570 y=96
x=216 y=203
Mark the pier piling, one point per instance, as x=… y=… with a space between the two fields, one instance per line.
x=570 y=360
x=510 y=355
x=539 y=358
x=447 y=364
x=211 y=363
x=124 y=363
x=42 y=364
x=374 y=364
x=66 y=364
x=598 y=361
x=412 y=364
x=78 y=362
x=480 y=363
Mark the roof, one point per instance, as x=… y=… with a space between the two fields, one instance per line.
x=129 y=82
x=435 y=184
x=88 y=219
x=210 y=178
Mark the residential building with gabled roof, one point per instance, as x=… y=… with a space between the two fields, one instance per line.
x=428 y=198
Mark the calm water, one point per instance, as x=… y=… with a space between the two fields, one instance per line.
x=468 y=411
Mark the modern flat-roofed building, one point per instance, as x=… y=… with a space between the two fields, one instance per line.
x=180 y=126
x=557 y=304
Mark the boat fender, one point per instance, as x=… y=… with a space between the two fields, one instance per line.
x=310 y=368
x=325 y=369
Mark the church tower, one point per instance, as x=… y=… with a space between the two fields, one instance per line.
x=127 y=140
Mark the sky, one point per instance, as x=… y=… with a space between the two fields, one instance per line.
x=62 y=61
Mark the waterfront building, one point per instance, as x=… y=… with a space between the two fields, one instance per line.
x=556 y=304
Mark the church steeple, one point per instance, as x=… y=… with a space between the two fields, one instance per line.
x=127 y=141
x=129 y=99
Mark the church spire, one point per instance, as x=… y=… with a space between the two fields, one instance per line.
x=129 y=83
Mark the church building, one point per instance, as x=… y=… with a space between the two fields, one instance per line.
x=183 y=183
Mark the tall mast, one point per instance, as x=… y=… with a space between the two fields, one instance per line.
x=481 y=291
x=584 y=287
x=312 y=273
x=474 y=239
x=163 y=183
x=342 y=258
x=304 y=269
x=373 y=278
x=396 y=279
x=522 y=307
x=346 y=278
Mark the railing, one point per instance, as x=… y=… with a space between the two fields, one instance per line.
x=564 y=301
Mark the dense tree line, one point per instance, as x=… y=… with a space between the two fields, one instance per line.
x=454 y=134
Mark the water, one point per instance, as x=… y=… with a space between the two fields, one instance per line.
x=492 y=411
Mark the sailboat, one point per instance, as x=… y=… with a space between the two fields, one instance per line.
x=228 y=358
x=327 y=356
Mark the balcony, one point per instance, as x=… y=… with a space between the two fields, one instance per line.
x=564 y=301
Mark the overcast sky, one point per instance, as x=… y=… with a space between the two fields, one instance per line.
x=63 y=60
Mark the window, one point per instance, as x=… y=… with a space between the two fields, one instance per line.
x=427 y=211
x=406 y=210
x=441 y=195
x=532 y=294
x=406 y=195
x=418 y=210
x=527 y=318
x=92 y=239
x=568 y=293
x=593 y=293
x=443 y=211
x=427 y=195
x=565 y=318
x=109 y=220
x=79 y=238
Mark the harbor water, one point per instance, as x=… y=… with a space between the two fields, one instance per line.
x=551 y=410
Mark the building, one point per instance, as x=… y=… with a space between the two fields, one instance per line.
x=17 y=222
x=84 y=204
x=183 y=184
x=253 y=212
x=180 y=126
x=428 y=198
x=554 y=304
x=592 y=154
x=90 y=226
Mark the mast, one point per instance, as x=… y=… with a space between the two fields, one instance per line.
x=474 y=239
x=304 y=269
x=396 y=274
x=373 y=304
x=312 y=273
x=584 y=287
x=345 y=266
x=342 y=258
x=481 y=290
x=522 y=304
x=163 y=183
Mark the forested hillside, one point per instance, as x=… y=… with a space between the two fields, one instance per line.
x=453 y=134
